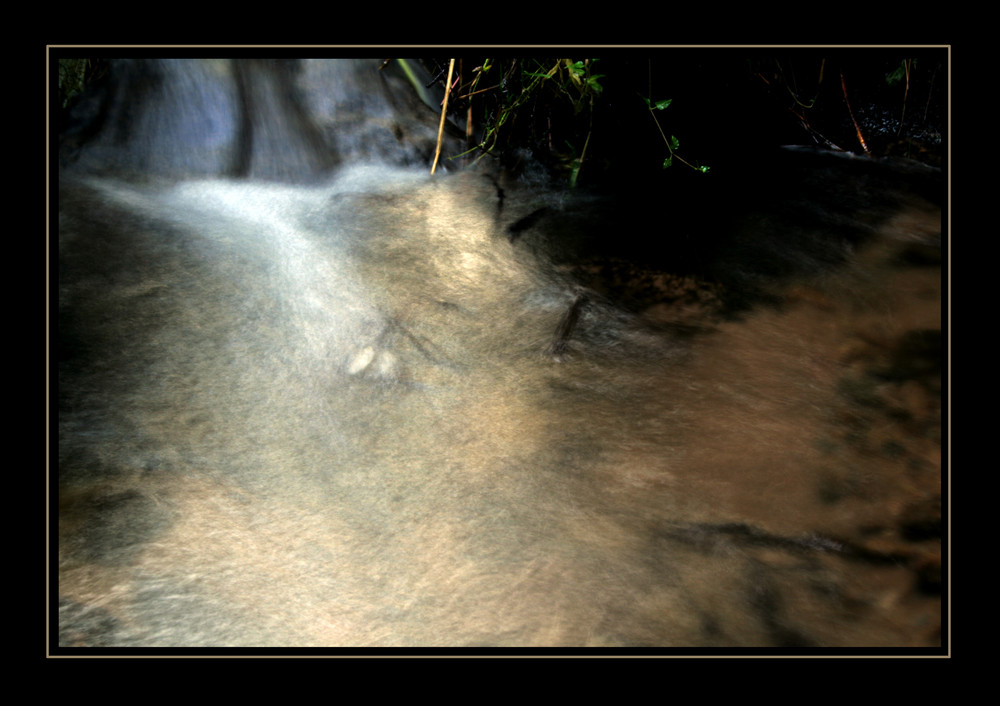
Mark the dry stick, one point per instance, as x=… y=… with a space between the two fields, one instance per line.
x=444 y=112
x=902 y=116
x=861 y=139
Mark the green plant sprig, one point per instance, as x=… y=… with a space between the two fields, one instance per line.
x=672 y=143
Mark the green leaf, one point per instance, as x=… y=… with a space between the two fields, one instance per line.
x=674 y=143
x=662 y=105
x=668 y=162
x=898 y=75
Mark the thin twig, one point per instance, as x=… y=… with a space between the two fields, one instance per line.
x=444 y=113
x=861 y=139
x=902 y=116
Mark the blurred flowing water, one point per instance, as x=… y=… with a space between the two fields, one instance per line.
x=310 y=396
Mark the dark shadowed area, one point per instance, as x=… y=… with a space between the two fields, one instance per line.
x=309 y=395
